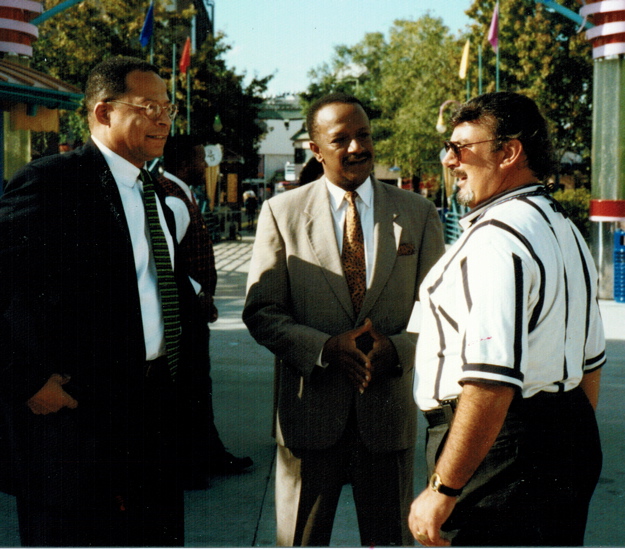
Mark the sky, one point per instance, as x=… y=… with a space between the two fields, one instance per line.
x=288 y=38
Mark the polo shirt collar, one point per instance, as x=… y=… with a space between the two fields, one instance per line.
x=470 y=218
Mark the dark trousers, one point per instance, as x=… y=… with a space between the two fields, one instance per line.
x=81 y=489
x=381 y=483
x=535 y=485
x=203 y=450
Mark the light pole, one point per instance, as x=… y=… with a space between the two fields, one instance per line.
x=440 y=123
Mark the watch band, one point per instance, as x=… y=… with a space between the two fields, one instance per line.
x=437 y=485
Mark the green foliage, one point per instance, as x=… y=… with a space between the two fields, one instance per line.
x=75 y=40
x=418 y=76
x=413 y=71
x=543 y=56
x=408 y=77
x=577 y=204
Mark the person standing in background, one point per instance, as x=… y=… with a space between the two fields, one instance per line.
x=185 y=164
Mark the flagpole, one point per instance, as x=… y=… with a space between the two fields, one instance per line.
x=497 y=72
x=185 y=62
x=147 y=31
x=188 y=102
x=498 y=46
x=173 y=80
x=479 y=64
x=493 y=38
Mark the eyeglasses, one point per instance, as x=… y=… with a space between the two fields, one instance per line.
x=456 y=148
x=152 y=110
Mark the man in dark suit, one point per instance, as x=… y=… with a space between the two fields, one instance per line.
x=344 y=408
x=90 y=386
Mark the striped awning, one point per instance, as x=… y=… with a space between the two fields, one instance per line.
x=21 y=84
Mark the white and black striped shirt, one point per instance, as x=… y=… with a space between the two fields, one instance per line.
x=513 y=301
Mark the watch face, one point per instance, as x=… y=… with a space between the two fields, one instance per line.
x=437 y=485
x=435 y=482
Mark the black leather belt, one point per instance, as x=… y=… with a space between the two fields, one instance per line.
x=443 y=414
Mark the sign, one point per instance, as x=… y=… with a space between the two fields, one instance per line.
x=213 y=154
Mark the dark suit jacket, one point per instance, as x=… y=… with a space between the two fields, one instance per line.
x=298 y=298
x=69 y=300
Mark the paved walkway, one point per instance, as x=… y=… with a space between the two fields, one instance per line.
x=238 y=511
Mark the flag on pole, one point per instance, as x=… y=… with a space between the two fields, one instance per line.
x=148 y=26
x=493 y=32
x=464 y=62
x=185 y=58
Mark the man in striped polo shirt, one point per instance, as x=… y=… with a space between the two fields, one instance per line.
x=509 y=356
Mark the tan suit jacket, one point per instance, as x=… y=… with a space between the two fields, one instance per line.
x=298 y=298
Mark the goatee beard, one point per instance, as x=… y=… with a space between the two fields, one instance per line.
x=465 y=196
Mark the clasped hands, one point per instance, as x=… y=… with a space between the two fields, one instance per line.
x=361 y=365
x=52 y=397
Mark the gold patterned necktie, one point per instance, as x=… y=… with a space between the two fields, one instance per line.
x=353 y=255
x=165 y=275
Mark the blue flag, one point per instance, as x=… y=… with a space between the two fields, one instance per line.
x=148 y=26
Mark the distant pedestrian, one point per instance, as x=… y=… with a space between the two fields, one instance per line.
x=251 y=204
x=511 y=347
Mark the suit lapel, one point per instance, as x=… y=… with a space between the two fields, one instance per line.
x=386 y=238
x=320 y=231
x=99 y=170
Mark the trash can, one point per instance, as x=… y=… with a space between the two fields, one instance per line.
x=619 y=266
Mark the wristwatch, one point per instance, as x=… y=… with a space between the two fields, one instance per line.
x=437 y=485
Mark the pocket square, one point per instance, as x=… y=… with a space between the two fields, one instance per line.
x=406 y=249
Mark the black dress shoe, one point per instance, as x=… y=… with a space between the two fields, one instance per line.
x=230 y=465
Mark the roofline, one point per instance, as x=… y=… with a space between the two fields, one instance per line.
x=52 y=99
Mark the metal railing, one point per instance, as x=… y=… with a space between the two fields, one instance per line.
x=452 y=216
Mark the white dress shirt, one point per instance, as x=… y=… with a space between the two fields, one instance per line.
x=130 y=187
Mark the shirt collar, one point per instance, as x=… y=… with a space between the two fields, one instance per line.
x=337 y=194
x=468 y=219
x=124 y=172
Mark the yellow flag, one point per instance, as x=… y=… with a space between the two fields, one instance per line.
x=464 y=62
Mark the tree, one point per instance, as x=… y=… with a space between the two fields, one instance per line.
x=543 y=56
x=408 y=77
x=419 y=73
x=73 y=41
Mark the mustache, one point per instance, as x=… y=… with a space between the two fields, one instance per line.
x=357 y=158
x=458 y=173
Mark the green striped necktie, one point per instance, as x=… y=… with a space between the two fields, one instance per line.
x=165 y=274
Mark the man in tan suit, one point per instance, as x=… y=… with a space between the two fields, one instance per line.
x=344 y=363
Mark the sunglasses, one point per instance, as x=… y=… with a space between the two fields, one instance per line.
x=456 y=148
